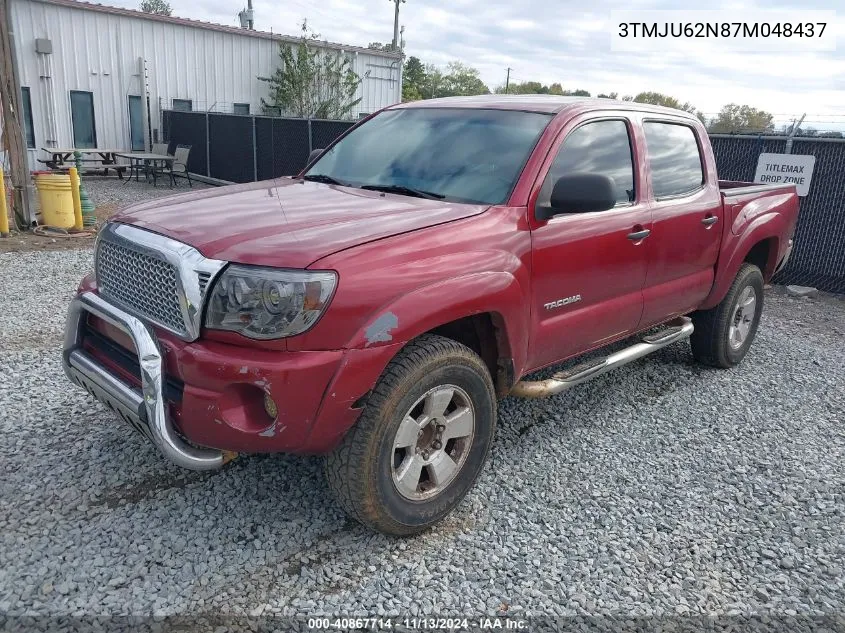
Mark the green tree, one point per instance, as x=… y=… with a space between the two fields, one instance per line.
x=611 y=95
x=159 y=7
x=537 y=88
x=413 y=79
x=657 y=98
x=433 y=86
x=737 y=118
x=463 y=80
x=378 y=46
x=523 y=88
x=312 y=82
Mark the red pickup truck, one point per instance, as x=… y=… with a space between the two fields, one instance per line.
x=374 y=307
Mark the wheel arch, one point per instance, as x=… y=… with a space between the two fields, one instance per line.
x=763 y=254
x=484 y=311
x=760 y=245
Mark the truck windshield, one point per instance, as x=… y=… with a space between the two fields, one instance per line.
x=457 y=154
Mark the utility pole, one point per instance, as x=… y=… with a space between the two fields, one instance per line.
x=13 y=138
x=396 y=25
x=508 y=80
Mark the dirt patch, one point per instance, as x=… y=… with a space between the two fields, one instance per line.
x=122 y=495
x=26 y=241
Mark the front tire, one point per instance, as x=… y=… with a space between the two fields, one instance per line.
x=723 y=335
x=421 y=441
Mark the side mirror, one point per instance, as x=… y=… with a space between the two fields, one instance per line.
x=580 y=193
x=314 y=155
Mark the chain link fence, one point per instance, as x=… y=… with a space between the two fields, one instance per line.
x=818 y=258
x=239 y=148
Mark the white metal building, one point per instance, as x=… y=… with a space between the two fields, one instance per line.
x=86 y=71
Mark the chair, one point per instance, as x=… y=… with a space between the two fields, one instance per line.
x=155 y=170
x=179 y=164
x=149 y=170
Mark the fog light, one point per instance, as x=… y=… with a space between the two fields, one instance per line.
x=270 y=406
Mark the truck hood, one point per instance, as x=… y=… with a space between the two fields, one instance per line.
x=287 y=223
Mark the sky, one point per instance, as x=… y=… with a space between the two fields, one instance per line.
x=569 y=41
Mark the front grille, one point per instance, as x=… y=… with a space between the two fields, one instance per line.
x=142 y=283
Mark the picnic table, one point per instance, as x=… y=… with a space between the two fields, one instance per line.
x=149 y=160
x=62 y=158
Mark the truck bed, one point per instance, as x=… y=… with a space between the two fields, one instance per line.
x=748 y=205
x=733 y=188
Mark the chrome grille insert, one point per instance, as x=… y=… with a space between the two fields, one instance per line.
x=142 y=282
x=203 y=279
x=154 y=277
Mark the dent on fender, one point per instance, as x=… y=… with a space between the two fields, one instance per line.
x=379 y=330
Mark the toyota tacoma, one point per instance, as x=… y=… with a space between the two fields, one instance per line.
x=375 y=307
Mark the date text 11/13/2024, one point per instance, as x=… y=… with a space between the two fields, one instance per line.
x=419 y=624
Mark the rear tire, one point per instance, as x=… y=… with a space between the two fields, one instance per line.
x=723 y=334
x=421 y=441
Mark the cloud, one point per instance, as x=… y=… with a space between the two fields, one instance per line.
x=562 y=41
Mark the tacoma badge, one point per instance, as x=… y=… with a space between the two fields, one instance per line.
x=562 y=302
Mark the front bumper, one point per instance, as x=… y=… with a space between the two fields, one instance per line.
x=206 y=393
x=144 y=409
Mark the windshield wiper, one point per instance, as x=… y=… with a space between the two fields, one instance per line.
x=407 y=191
x=328 y=180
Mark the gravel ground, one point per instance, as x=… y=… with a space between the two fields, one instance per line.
x=660 y=489
x=111 y=190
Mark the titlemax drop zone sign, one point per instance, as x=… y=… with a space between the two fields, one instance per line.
x=786 y=169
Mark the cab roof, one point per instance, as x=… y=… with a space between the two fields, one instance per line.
x=550 y=104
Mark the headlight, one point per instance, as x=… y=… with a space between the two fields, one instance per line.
x=265 y=303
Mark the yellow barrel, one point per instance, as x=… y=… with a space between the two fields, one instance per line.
x=56 y=199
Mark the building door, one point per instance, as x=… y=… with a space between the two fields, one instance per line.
x=136 y=123
x=82 y=119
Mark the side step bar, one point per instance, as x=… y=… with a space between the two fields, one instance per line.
x=677 y=330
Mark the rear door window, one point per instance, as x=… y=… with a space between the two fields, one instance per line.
x=675 y=159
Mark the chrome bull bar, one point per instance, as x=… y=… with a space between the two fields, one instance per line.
x=144 y=409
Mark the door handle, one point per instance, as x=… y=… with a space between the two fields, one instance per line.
x=636 y=236
x=709 y=221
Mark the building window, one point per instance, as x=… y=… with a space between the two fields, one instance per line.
x=272 y=111
x=29 y=130
x=363 y=115
x=82 y=119
x=241 y=108
x=183 y=105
